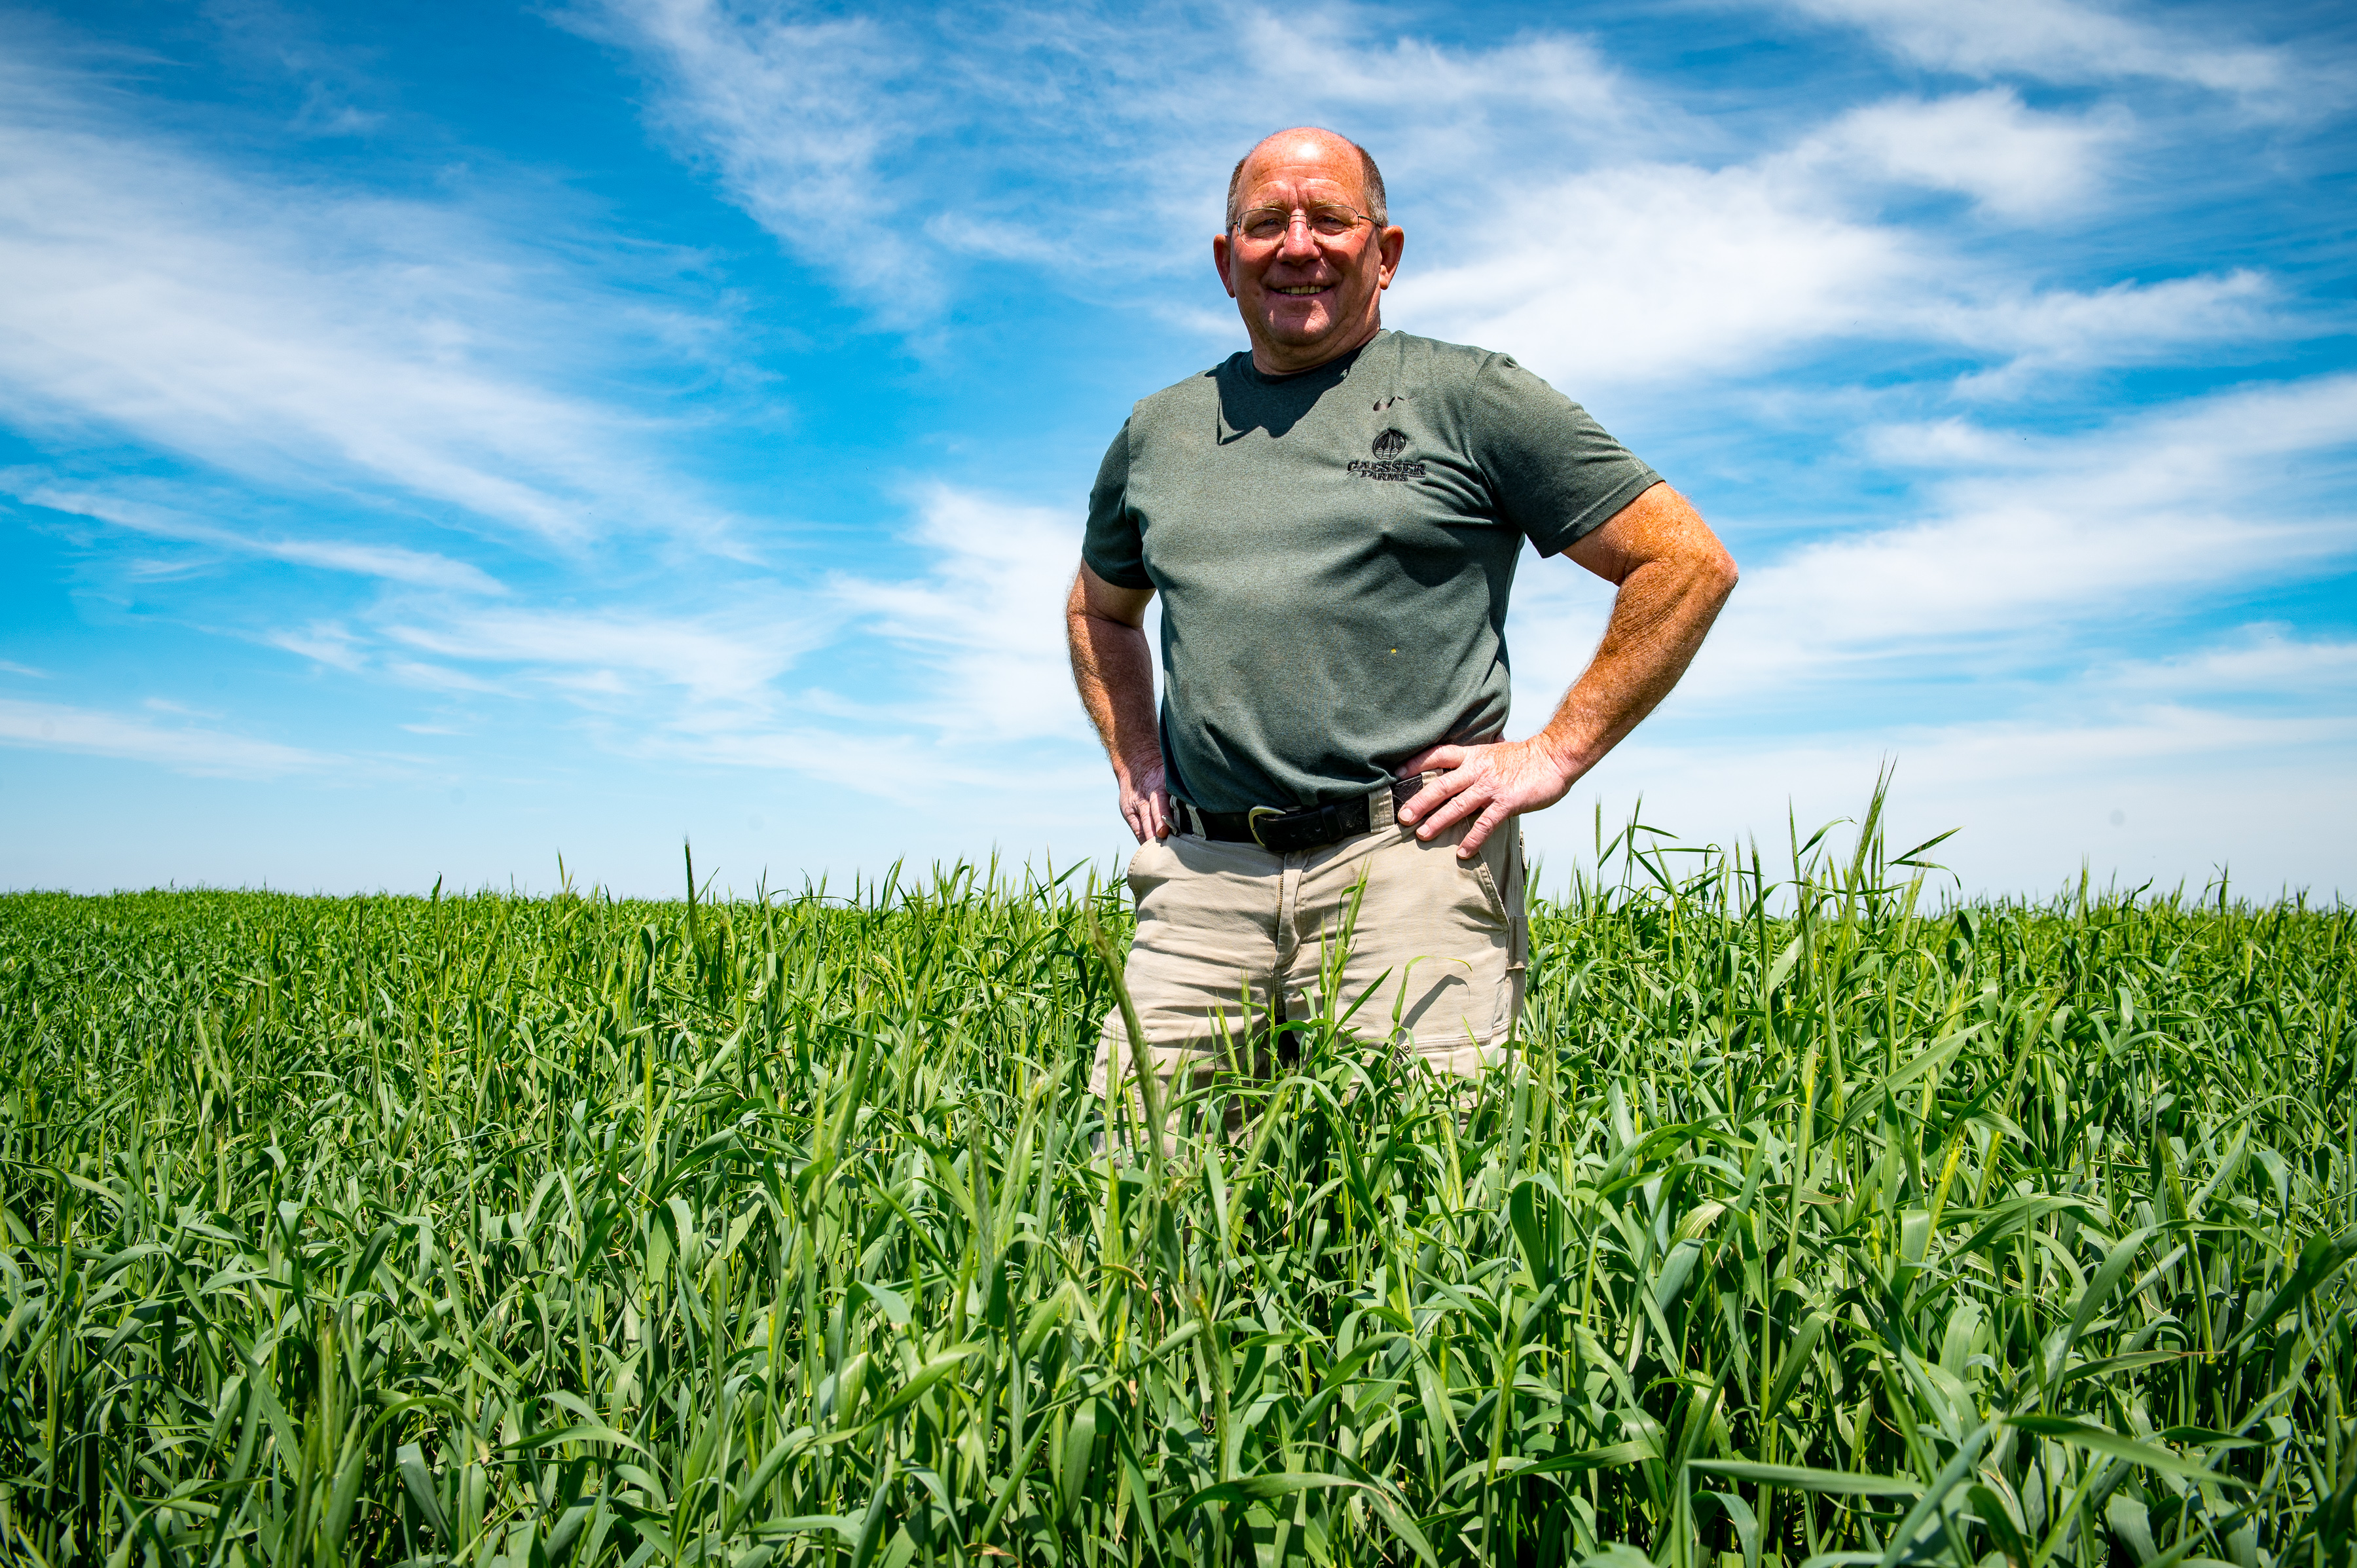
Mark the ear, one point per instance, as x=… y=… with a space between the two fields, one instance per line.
x=1393 y=241
x=1220 y=260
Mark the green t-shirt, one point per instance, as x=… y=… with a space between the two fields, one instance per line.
x=1334 y=550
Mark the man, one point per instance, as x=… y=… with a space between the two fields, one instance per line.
x=1325 y=808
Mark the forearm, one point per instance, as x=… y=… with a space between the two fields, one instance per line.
x=1113 y=665
x=1663 y=610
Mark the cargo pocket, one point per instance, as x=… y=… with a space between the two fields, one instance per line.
x=1511 y=984
x=1518 y=905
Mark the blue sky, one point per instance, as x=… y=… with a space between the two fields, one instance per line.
x=437 y=438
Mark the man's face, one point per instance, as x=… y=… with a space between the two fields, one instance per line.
x=1305 y=298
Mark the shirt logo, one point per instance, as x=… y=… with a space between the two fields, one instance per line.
x=1388 y=464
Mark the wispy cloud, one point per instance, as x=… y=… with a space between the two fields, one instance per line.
x=2055 y=538
x=187 y=748
x=2055 y=40
x=1682 y=273
x=1553 y=204
x=2265 y=661
x=322 y=642
x=796 y=116
x=986 y=620
x=2013 y=161
x=847 y=137
x=1686 y=274
x=301 y=335
x=2025 y=551
x=1897 y=281
x=332 y=82
x=390 y=562
x=1579 y=216
x=716 y=658
x=438 y=677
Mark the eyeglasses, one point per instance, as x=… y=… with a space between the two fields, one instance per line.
x=1265 y=225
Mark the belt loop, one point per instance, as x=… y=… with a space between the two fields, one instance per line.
x=1381 y=810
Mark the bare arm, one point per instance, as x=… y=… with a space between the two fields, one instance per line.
x=1673 y=575
x=1113 y=668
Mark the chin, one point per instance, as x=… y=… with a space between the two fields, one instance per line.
x=1301 y=333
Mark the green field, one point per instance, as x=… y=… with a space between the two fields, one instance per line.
x=1819 y=1220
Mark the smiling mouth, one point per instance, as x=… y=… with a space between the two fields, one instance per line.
x=1303 y=290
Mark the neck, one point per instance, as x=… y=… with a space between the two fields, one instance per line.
x=1278 y=361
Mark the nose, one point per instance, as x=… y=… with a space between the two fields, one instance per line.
x=1300 y=244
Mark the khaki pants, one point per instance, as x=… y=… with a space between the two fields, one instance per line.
x=1229 y=934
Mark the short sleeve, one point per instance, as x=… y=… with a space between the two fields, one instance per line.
x=1115 y=547
x=1554 y=473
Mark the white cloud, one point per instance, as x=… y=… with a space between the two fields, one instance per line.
x=304 y=336
x=2021 y=548
x=1662 y=272
x=2264 y=663
x=414 y=353
x=323 y=642
x=847 y=137
x=1342 y=57
x=2018 y=576
x=2012 y=160
x=274 y=38
x=185 y=748
x=2054 y=40
x=997 y=239
x=2172 y=455
x=707 y=686
x=2068 y=534
x=2125 y=324
x=436 y=678
x=988 y=713
x=1554 y=207
x=1674 y=274
x=720 y=659
x=390 y=562
x=987 y=617
x=798 y=117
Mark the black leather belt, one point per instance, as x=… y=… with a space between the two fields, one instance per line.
x=1285 y=831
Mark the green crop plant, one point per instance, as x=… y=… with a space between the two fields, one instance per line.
x=1815 y=1222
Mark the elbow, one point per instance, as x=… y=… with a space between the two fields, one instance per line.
x=1712 y=570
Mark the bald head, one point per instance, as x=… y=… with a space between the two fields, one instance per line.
x=1303 y=143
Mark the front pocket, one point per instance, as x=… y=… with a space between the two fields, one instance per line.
x=1497 y=861
x=1137 y=863
x=1489 y=886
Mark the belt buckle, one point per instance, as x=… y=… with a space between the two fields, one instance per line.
x=1252 y=824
